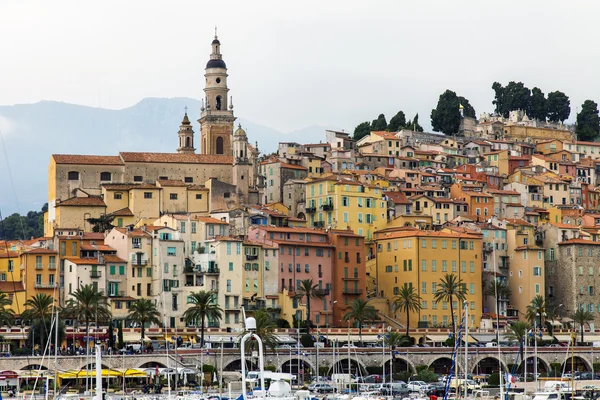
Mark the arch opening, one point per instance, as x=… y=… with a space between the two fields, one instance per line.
x=442 y=365
x=577 y=364
x=348 y=365
x=398 y=365
x=542 y=367
x=236 y=365
x=218 y=103
x=220 y=145
x=152 y=364
x=487 y=366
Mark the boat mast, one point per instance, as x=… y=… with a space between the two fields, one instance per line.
x=466 y=307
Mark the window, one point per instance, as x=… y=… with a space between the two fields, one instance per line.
x=228 y=285
x=147 y=195
x=580 y=271
x=472 y=288
x=198 y=196
x=423 y=265
x=453 y=265
x=188 y=179
x=444 y=266
x=182 y=227
x=537 y=271
x=118 y=196
x=433 y=244
x=112 y=270
x=433 y=265
x=444 y=244
x=172 y=196
x=73 y=176
x=105 y=176
x=138 y=178
x=424 y=287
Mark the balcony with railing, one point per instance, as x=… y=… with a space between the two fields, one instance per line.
x=251 y=257
x=39 y=266
x=322 y=292
x=350 y=278
x=95 y=274
x=52 y=266
x=311 y=210
x=39 y=285
x=139 y=262
x=327 y=207
x=319 y=224
x=352 y=291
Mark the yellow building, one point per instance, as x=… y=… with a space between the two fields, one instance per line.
x=412 y=257
x=342 y=203
x=40 y=267
x=11 y=280
x=526 y=268
x=74 y=213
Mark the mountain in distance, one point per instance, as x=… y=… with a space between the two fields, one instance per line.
x=33 y=132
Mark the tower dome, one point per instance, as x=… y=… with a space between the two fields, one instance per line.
x=239 y=131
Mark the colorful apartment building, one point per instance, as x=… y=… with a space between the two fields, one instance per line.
x=417 y=258
x=343 y=203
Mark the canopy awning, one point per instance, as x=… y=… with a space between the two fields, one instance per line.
x=563 y=338
x=135 y=337
x=354 y=338
x=469 y=340
x=437 y=338
x=484 y=338
x=554 y=322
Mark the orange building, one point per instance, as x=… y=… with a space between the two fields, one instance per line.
x=40 y=267
x=480 y=204
x=349 y=271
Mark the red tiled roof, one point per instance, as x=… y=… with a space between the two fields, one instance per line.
x=40 y=251
x=292 y=166
x=96 y=247
x=110 y=258
x=82 y=201
x=93 y=236
x=177 y=158
x=579 y=241
x=133 y=233
x=87 y=160
x=171 y=182
x=84 y=261
x=128 y=186
x=123 y=212
x=209 y=220
x=11 y=287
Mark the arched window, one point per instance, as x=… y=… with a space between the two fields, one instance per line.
x=73 y=176
x=220 y=145
x=105 y=176
x=218 y=102
x=241 y=153
x=188 y=142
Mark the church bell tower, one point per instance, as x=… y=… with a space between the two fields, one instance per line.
x=186 y=136
x=216 y=115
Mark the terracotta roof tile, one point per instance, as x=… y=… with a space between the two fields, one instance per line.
x=175 y=158
x=84 y=261
x=83 y=201
x=292 y=166
x=209 y=220
x=123 y=212
x=128 y=186
x=171 y=182
x=93 y=236
x=579 y=241
x=87 y=160
x=109 y=258
x=40 y=251
x=11 y=287
x=97 y=247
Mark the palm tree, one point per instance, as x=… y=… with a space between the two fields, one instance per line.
x=536 y=308
x=38 y=309
x=361 y=311
x=450 y=287
x=203 y=306
x=395 y=339
x=7 y=314
x=582 y=317
x=144 y=311
x=407 y=300
x=310 y=290
x=90 y=305
x=516 y=332
x=499 y=290
x=265 y=325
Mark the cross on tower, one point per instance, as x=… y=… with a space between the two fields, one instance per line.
x=185 y=108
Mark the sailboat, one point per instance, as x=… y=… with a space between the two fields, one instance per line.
x=278 y=389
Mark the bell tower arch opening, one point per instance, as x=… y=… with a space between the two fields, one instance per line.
x=216 y=116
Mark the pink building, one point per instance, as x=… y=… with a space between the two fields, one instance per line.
x=304 y=253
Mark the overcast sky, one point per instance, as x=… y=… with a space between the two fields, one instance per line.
x=293 y=64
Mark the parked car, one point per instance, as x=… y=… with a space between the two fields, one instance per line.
x=417 y=386
x=349 y=345
x=321 y=388
x=394 y=389
x=438 y=390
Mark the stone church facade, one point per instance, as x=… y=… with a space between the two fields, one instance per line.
x=224 y=156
